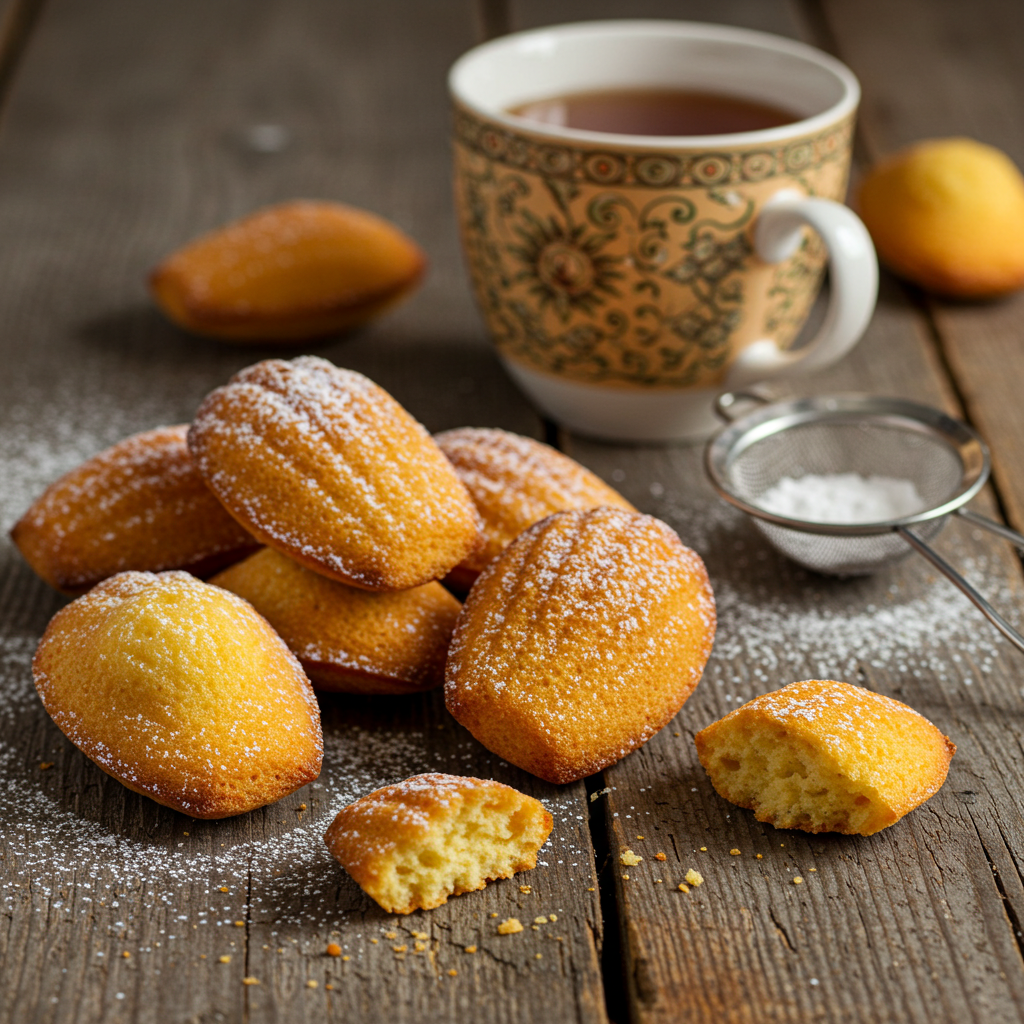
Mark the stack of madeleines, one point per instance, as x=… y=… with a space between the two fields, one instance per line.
x=328 y=517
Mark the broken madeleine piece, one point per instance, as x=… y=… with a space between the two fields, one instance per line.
x=291 y=272
x=349 y=640
x=825 y=756
x=413 y=844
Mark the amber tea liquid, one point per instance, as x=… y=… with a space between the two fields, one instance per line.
x=655 y=112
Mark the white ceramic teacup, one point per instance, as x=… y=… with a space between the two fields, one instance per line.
x=626 y=279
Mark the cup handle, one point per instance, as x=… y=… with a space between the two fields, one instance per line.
x=853 y=270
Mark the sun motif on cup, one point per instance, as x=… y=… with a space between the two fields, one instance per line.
x=565 y=266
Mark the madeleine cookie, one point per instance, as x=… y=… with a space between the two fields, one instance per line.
x=328 y=468
x=182 y=692
x=823 y=756
x=288 y=273
x=346 y=639
x=515 y=482
x=580 y=642
x=138 y=505
x=412 y=845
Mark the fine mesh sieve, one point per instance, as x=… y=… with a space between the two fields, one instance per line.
x=944 y=459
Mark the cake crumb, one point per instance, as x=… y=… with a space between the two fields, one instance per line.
x=537 y=956
x=591 y=889
x=694 y=877
x=126 y=955
x=399 y=949
x=540 y=920
x=419 y=947
x=526 y=889
x=551 y=917
x=734 y=852
x=391 y=935
x=658 y=880
x=333 y=949
x=239 y=924
x=625 y=876
x=471 y=949
x=311 y=983
x=812 y=869
x=494 y=913
x=374 y=941
x=639 y=837
x=223 y=888
x=798 y=880
x=422 y=936
x=659 y=856
x=250 y=980
x=683 y=887
x=452 y=972
x=302 y=807
x=329 y=987
x=629 y=858
x=760 y=856
x=224 y=959
x=703 y=849
x=45 y=765
x=510 y=926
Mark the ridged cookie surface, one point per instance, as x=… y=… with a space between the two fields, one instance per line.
x=290 y=272
x=580 y=642
x=825 y=756
x=412 y=845
x=138 y=505
x=328 y=468
x=346 y=639
x=515 y=482
x=182 y=692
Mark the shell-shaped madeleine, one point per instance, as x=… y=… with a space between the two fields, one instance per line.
x=290 y=272
x=140 y=505
x=328 y=468
x=346 y=639
x=515 y=482
x=580 y=642
x=182 y=692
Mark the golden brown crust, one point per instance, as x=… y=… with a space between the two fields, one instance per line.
x=515 y=482
x=948 y=214
x=347 y=639
x=139 y=505
x=825 y=756
x=580 y=642
x=413 y=844
x=328 y=468
x=182 y=692
x=295 y=271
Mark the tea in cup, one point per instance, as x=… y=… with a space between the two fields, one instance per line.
x=634 y=199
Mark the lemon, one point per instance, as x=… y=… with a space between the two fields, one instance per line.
x=948 y=214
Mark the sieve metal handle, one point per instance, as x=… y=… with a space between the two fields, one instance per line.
x=992 y=526
x=957 y=580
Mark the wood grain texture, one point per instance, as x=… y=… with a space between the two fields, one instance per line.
x=921 y=922
x=131 y=129
x=971 y=61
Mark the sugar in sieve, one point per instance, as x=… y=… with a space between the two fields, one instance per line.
x=944 y=459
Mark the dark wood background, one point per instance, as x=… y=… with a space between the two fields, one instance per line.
x=128 y=129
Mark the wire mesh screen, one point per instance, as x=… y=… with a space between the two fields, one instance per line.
x=870 y=447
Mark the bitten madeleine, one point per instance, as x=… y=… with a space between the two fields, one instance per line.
x=412 y=845
x=138 y=505
x=328 y=468
x=580 y=642
x=824 y=756
x=515 y=482
x=346 y=639
x=182 y=692
x=290 y=272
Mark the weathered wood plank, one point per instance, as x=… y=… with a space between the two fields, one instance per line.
x=920 y=922
x=971 y=64
x=131 y=130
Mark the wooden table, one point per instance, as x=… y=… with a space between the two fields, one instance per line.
x=130 y=127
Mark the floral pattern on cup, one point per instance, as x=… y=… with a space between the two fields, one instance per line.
x=634 y=269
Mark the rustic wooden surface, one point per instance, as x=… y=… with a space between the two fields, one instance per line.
x=129 y=129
